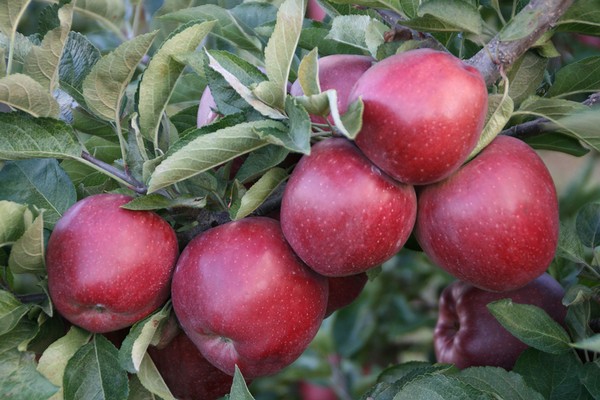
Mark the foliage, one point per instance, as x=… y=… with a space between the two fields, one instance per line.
x=102 y=96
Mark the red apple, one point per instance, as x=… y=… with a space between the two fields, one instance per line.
x=109 y=267
x=494 y=223
x=424 y=111
x=187 y=373
x=207 y=108
x=339 y=72
x=343 y=290
x=341 y=214
x=314 y=11
x=243 y=297
x=467 y=334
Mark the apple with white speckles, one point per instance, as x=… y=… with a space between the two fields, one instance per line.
x=467 y=334
x=109 y=267
x=341 y=214
x=243 y=297
x=494 y=223
x=343 y=290
x=339 y=72
x=424 y=111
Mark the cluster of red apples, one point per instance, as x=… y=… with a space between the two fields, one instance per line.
x=253 y=292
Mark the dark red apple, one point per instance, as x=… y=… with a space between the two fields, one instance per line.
x=207 y=109
x=494 y=223
x=339 y=72
x=109 y=267
x=187 y=373
x=424 y=111
x=467 y=334
x=341 y=214
x=243 y=297
x=343 y=290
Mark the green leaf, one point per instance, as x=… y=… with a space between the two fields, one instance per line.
x=582 y=76
x=43 y=61
x=297 y=137
x=499 y=383
x=27 y=253
x=11 y=312
x=78 y=58
x=210 y=150
x=551 y=107
x=583 y=16
x=258 y=193
x=350 y=123
x=239 y=389
x=523 y=24
x=587 y=224
x=240 y=87
x=156 y=201
x=590 y=377
x=108 y=13
x=526 y=75
x=280 y=52
x=41 y=183
x=591 y=343
x=500 y=109
x=531 y=325
x=11 y=12
x=104 y=87
x=24 y=93
x=228 y=25
x=260 y=161
x=578 y=321
x=439 y=387
x=360 y=31
x=352 y=328
x=18 y=338
x=582 y=126
x=19 y=379
x=54 y=360
x=94 y=373
x=555 y=141
x=556 y=377
x=22 y=137
x=569 y=245
x=446 y=16
x=14 y=219
x=158 y=81
x=308 y=73
x=151 y=379
x=140 y=336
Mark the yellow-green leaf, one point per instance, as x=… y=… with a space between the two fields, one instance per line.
x=27 y=254
x=26 y=94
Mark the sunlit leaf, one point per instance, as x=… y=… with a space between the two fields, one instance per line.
x=27 y=254
x=259 y=192
x=24 y=93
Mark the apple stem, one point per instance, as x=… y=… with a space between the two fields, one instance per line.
x=114 y=172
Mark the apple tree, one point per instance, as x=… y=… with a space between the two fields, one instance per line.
x=299 y=199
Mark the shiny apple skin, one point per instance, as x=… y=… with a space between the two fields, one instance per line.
x=341 y=214
x=494 y=223
x=243 y=297
x=424 y=111
x=187 y=373
x=467 y=334
x=109 y=267
x=343 y=290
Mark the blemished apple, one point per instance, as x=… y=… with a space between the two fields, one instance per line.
x=339 y=72
x=424 y=111
x=243 y=297
x=494 y=223
x=341 y=214
x=187 y=373
x=467 y=334
x=343 y=290
x=109 y=267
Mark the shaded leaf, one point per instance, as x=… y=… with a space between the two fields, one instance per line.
x=19 y=379
x=555 y=141
x=160 y=77
x=521 y=25
x=590 y=377
x=531 y=325
x=27 y=253
x=582 y=16
x=439 y=387
x=14 y=219
x=447 y=16
x=587 y=224
x=582 y=76
x=41 y=183
x=54 y=360
x=526 y=75
x=260 y=161
x=26 y=94
x=78 y=58
x=151 y=379
x=11 y=312
x=94 y=373
x=104 y=87
x=500 y=383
